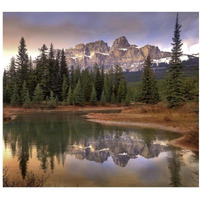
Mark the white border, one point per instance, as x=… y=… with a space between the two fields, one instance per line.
x=92 y=6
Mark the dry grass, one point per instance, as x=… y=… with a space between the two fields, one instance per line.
x=185 y=119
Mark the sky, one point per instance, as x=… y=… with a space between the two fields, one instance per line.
x=66 y=29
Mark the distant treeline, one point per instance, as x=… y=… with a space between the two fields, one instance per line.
x=52 y=81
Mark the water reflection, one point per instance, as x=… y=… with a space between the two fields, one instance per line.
x=56 y=135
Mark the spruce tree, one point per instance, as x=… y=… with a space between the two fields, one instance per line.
x=121 y=93
x=15 y=99
x=98 y=84
x=70 y=97
x=78 y=96
x=38 y=94
x=51 y=101
x=113 y=98
x=174 y=78
x=23 y=93
x=149 y=91
x=22 y=65
x=93 y=97
x=103 y=99
x=27 y=100
x=64 y=89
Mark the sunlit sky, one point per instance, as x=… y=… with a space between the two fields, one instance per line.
x=65 y=30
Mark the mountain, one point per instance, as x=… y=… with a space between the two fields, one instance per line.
x=130 y=57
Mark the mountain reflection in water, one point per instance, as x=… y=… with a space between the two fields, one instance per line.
x=54 y=136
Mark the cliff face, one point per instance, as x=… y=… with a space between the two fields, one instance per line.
x=121 y=52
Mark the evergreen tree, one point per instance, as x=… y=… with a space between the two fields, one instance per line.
x=113 y=98
x=103 y=99
x=22 y=65
x=70 y=97
x=78 y=96
x=15 y=99
x=93 y=97
x=127 y=99
x=52 y=70
x=6 y=92
x=149 y=90
x=27 y=101
x=174 y=78
x=98 y=84
x=118 y=77
x=38 y=94
x=45 y=73
x=24 y=92
x=56 y=84
x=51 y=102
x=86 y=81
x=64 y=89
x=72 y=80
x=106 y=91
x=121 y=93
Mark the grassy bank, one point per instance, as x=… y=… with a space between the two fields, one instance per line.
x=184 y=120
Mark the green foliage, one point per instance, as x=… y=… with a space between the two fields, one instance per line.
x=103 y=99
x=38 y=94
x=51 y=102
x=174 y=92
x=93 y=97
x=27 y=100
x=15 y=99
x=64 y=89
x=78 y=96
x=70 y=97
x=24 y=92
x=121 y=93
x=113 y=98
x=98 y=83
x=149 y=90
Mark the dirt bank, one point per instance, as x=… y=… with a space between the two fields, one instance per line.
x=10 y=112
x=184 y=120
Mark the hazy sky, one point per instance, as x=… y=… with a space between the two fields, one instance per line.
x=66 y=30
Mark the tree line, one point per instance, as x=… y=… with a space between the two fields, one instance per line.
x=52 y=81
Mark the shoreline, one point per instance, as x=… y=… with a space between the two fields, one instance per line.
x=176 y=142
x=132 y=116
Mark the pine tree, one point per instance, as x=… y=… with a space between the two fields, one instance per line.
x=106 y=91
x=78 y=96
x=103 y=99
x=121 y=93
x=118 y=76
x=70 y=97
x=64 y=89
x=38 y=94
x=174 y=78
x=149 y=90
x=15 y=99
x=51 y=102
x=22 y=60
x=93 y=97
x=24 y=92
x=6 y=92
x=98 y=84
x=27 y=101
x=113 y=98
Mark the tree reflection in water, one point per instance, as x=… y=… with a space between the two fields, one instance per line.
x=54 y=135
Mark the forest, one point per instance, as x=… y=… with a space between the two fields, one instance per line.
x=50 y=81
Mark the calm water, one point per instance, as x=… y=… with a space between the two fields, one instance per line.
x=75 y=152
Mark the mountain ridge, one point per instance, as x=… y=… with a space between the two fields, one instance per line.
x=129 y=56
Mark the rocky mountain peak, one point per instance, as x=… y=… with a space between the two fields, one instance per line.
x=120 y=43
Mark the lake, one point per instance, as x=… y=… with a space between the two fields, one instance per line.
x=72 y=151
